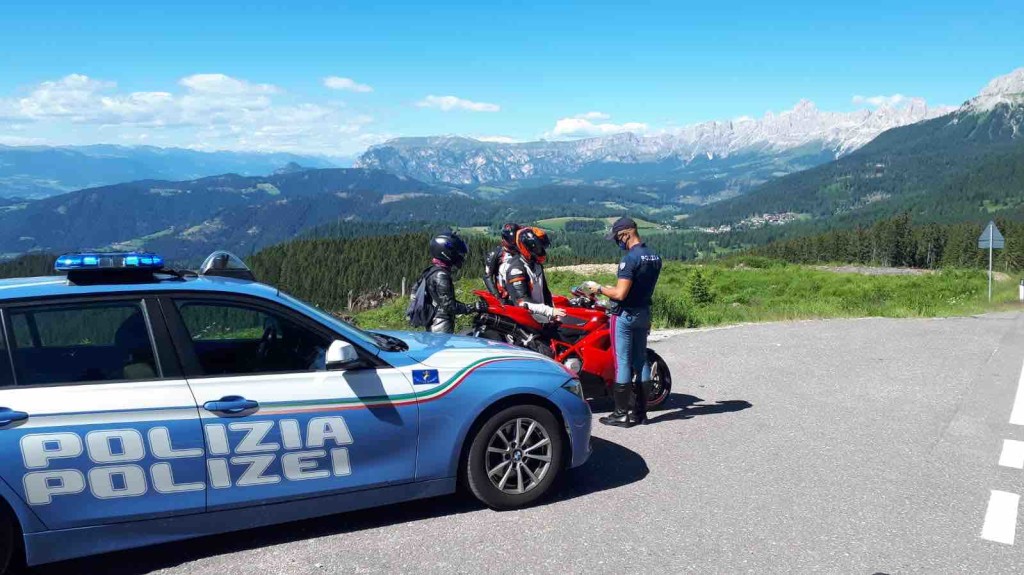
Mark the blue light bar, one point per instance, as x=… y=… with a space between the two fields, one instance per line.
x=100 y=261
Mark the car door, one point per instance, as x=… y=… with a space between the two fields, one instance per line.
x=278 y=424
x=97 y=425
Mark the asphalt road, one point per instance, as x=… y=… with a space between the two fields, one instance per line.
x=860 y=446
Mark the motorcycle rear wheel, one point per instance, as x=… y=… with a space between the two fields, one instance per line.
x=661 y=380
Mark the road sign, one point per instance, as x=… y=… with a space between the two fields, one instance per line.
x=991 y=238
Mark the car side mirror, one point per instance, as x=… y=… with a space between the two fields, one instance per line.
x=341 y=354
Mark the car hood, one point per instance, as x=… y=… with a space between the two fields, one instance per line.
x=454 y=351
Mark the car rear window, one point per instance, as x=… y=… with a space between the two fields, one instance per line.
x=78 y=343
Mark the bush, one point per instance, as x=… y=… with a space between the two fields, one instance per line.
x=699 y=288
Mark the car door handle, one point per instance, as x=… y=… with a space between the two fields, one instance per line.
x=8 y=416
x=231 y=404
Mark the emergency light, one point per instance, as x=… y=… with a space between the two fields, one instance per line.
x=109 y=261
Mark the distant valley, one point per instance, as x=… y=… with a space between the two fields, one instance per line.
x=40 y=171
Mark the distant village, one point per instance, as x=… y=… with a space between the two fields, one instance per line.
x=754 y=222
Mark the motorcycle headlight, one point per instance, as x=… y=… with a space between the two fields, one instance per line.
x=574 y=387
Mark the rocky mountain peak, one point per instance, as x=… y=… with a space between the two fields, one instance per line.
x=1007 y=89
x=457 y=160
x=1010 y=84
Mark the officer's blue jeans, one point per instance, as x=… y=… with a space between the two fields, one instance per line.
x=629 y=340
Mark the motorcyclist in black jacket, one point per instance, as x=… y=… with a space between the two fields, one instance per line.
x=448 y=252
x=498 y=256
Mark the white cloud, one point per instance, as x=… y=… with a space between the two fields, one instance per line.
x=580 y=127
x=497 y=139
x=223 y=85
x=877 y=101
x=7 y=140
x=448 y=103
x=346 y=84
x=593 y=116
x=72 y=97
x=209 y=111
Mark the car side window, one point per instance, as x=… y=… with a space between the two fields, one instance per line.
x=6 y=373
x=236 y=339
x=78 y=343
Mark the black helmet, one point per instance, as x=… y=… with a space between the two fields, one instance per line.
x=508 y=236
x=533 y=244
x=449 y=248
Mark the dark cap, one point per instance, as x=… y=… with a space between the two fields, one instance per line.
x=622 y=224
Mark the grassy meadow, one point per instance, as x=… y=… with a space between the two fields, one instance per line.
x=756 y=290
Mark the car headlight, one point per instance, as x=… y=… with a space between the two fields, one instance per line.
x=574 y=387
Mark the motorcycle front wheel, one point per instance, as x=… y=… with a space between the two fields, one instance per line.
x=661 y=380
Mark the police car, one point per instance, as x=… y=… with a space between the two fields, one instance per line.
x=140 y=405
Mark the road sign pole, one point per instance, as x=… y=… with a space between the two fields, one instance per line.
x=991 y=232
x=988 y=239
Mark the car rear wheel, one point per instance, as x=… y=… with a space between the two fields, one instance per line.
x=515 y=457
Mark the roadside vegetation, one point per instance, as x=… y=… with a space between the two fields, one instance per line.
x=758 y=289
x=331 y=271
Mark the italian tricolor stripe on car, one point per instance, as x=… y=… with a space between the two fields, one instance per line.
x=341 y=404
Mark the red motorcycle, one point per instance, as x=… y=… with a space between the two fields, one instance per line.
x=581 y=341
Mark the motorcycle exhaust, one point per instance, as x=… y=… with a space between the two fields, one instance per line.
x=497 y=322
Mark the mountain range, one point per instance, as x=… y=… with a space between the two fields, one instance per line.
x=40 y=171
x=704 y=162
x=965 y=165
x=819 y=169
x=187 y=217
x=185 y=220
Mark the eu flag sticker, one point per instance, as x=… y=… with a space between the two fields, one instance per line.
x=425 y=377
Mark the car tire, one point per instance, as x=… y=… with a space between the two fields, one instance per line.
x=515 y=457
x=6 y=541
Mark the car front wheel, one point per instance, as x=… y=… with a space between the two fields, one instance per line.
x=515 y=457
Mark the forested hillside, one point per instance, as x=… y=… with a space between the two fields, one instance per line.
x=901 y=242
x=958 y=167
x=29 y=265
x=324 y=269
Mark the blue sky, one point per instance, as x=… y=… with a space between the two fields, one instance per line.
x=250 y=75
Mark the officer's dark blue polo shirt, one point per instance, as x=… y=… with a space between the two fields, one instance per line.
x=643 y=266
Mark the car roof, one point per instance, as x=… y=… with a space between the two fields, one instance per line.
x=59 y=286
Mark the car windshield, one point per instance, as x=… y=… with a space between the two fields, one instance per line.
x=350 y=330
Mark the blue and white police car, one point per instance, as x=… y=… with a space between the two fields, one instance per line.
x=140 y=405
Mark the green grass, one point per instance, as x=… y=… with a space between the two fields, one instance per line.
x=558 y=224
x=775 y=291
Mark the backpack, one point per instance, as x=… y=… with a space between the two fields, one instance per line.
x=421 y=308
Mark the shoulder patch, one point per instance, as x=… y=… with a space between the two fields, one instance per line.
x=622 y=265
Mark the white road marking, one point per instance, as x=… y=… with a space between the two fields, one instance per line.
x=1017 y=415
x=1012 y=454
x=1001 y=517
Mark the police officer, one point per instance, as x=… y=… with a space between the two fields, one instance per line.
x=631 y=323
x=448 y=252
